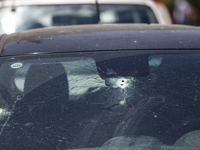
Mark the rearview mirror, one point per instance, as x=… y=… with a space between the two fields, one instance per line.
x=130 y=66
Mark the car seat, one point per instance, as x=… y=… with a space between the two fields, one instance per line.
x=33 y=121
x=45 y=92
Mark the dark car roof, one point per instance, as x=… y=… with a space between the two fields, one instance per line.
x=100 y=38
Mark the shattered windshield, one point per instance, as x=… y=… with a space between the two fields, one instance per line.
x=21 y=18
x=101 y=100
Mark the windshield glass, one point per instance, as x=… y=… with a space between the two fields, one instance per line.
x=22 y=18
x=101 y=100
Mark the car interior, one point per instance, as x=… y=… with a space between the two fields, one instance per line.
x=119 y=100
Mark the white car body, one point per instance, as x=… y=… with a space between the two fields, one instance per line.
x=159 y=15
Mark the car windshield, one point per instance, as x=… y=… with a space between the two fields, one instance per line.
x=101 y=100
x=22 y=18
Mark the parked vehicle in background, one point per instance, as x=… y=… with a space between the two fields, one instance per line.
x=19 y=15
x=101 y=87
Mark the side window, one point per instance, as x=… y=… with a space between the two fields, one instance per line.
x=82 y=77
x=81 y=74
x=127 y=14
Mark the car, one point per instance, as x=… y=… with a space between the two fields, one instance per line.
x=21 y=15
x=101 y=87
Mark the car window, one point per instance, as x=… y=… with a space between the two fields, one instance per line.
x=127 y=14
x=58 y=15
x=81 y=70
x=46 y=16
x=100 y=100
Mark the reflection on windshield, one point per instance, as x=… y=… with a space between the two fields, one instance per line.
x=91 y=101
x=59 y=15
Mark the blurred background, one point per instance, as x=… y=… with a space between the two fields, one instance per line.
x=184 y=11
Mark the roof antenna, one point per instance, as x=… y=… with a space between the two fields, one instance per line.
x=98 y=12
x=13 y=9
